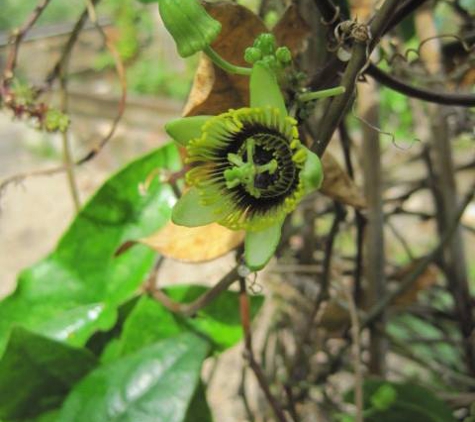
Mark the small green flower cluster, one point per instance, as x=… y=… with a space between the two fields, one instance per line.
x=265 y=51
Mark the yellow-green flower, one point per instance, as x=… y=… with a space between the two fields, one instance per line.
x=248 y=168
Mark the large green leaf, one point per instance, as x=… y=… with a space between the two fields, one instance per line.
x=150 y=321
x=36 y=373
x=154 y=384
x=76 y=290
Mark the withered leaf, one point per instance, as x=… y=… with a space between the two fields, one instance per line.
x=215 y=91
x=338 y=185
x=197 y=244
x=426 y=280
x=291 y=30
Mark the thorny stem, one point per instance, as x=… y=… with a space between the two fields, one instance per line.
x=224 y=64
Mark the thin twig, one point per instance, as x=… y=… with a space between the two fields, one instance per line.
x=323 y=294
x=190 y=309
x=356 y=345
x=253 y=364
x=374 y=313
x=18 y=36
x=67 y=157
x=120 y=69
x=448 y=98
x=17 y=178
x=67 y=49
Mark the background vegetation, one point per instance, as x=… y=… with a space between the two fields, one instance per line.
x=366 y=312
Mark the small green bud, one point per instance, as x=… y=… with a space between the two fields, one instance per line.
x=190 y=25
x=252 y=55
x=266 y=43
x=283 y=55
x=56 y=120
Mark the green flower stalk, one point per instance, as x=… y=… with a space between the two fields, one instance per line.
x=248 y=168
x=190 y=25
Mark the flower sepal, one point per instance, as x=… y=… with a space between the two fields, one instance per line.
x=260 y=246
x=190 y=25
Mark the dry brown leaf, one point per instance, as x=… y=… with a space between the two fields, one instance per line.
x=427 y=279
x=338 y=185
x=215 y=91
x=292 y=30
x=197 y=244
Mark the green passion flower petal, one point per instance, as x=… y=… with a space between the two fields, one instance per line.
x=186 y=128
x=190 y=25
x=260 y=246
x=246 y=166
x=312 y=172
x=190 y=212
x=265 y=89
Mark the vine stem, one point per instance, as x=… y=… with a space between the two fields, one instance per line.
x=331 y=92
x=224 y=64
x=359 y=58
x=67 y=156
x=190 y=309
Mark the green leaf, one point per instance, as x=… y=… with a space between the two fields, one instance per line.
x=199 y=410
x=265 y=90
x=75 y=291
x=155 y=384
x=150 y=321
x=51 y=416
x=186 y=128
x=410 y=402
x=260 y=246
x=36 y=373
x=189 y=211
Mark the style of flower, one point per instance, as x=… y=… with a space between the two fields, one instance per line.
x=248 y=168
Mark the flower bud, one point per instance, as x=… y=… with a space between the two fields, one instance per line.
x=283 y=55
x=252 y=55
x=190 y=25
x=266 y=43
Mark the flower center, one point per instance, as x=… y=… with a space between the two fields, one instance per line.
x=262 y=166
x=246 y=168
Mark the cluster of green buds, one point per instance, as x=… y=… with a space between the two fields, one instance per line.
x=265 y=51
x=248 y=168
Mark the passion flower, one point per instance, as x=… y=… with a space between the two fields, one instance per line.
x=248 y=168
